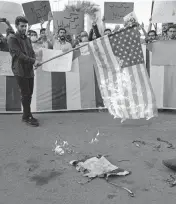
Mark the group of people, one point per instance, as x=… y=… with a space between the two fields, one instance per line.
x=23 y=46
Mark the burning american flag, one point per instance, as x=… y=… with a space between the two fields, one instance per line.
x=122 y=76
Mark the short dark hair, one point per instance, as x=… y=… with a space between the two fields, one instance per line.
x=171 y=26
x=152 y=31
x=33 y=31
x=107 y=29
x=42 y=29
x=61 y=29
x=84 y=32
x=20 y=19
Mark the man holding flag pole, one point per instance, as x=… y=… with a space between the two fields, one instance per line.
x=23 y=60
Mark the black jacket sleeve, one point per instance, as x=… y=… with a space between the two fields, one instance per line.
x=91 y=34
x=96 y=31
x=16 y=51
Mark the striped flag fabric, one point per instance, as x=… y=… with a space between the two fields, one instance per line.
x=75 y=90
x=122 y=75
x=164 y=86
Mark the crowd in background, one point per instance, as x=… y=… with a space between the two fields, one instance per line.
x=61 y=40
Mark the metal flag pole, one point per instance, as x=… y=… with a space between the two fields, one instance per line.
x=57 y=56
x=155 y=25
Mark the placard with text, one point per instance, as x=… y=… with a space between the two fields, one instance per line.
x=114 y=12
x=35 y=11
x=73 y=22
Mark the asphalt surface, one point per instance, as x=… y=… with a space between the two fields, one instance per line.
x=30 y=173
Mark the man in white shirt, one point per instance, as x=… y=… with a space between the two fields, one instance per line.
x=60 y=43
x=59 y=39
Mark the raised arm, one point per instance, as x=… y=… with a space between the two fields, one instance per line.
x=150 y=25
x=49 y=34
x=42 y=21
x=143 y=30
x=96 y=30
x=103 y=24
x=9 y=25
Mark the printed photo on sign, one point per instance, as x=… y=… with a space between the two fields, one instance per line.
x=114 y=12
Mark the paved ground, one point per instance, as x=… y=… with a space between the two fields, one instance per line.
x=31 y=174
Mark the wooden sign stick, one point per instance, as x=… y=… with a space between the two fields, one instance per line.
x=63 y=54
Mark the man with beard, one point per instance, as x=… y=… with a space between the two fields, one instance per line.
x=151 y=36
x=60 y=42
x=59 y=39
x=23 y=60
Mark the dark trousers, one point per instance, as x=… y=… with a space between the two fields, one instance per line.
x=26 y=86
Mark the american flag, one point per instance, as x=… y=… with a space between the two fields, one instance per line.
x=122 y=76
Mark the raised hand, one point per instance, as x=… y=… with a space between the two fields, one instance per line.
x=50 y=16
x=29 y=27
x=42 y=21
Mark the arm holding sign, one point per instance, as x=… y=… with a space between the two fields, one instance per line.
x=104 y=24
x=141 y=26
x=49 y=34
x=150 y=24
x=96 y=31
x=41 y=23
x=8 y=24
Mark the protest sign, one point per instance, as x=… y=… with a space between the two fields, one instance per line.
x=166 y=49
x=10 y=10
x=164 y=12
x=73 y=22
x=114 y=12
x=60 y=64
x=5 y=64
x=36 y=10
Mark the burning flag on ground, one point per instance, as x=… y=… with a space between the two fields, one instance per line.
x=98 y=167
x=122 y=75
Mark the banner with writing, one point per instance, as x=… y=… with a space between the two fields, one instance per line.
x=36 y=10
x=5 y=64
x=60 y=64
x=164 y=12
x=114 y=12
x=73 y=22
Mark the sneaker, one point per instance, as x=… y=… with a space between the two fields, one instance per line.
x=31 y=121
x=170 y=163
x=34 y=119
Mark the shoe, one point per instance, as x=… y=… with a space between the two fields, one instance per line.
x=34 y=119
x=170 y=163
x=31 y=121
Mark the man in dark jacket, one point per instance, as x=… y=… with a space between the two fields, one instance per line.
x=23 y=61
